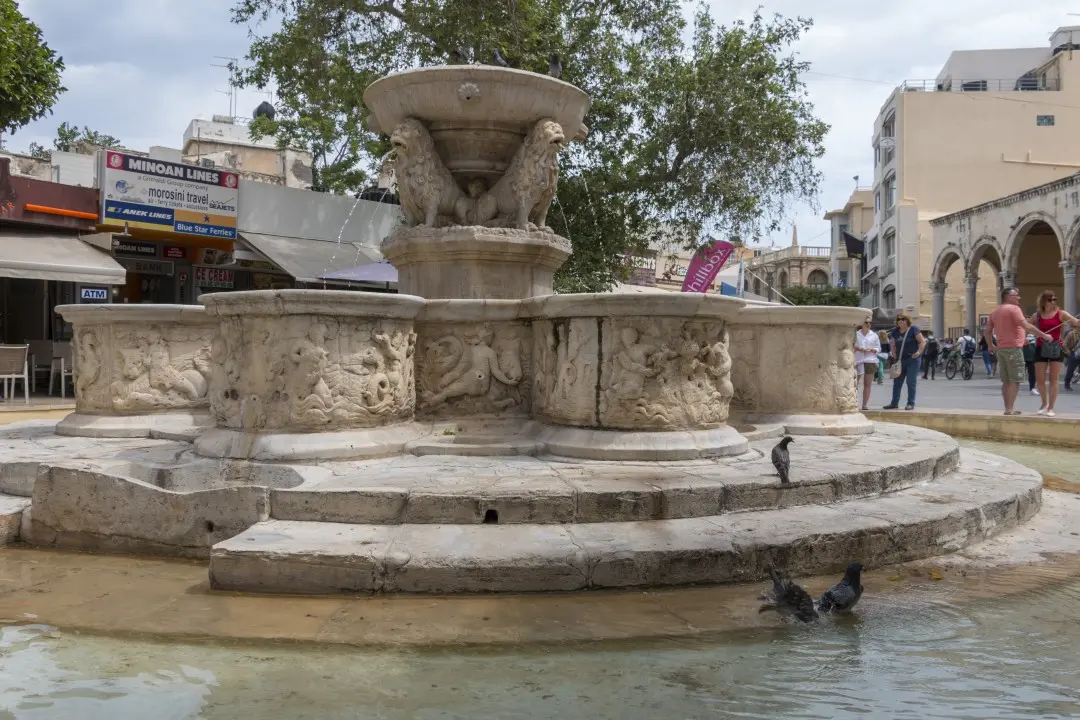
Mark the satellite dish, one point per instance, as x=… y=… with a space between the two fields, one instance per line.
x=886 y=143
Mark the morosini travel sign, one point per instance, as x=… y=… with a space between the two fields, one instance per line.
x=156 y=195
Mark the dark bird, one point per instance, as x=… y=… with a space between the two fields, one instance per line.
x=788 y=599
x=458 y=57
x=555 y=66
x=500 y=60
x=843 y=595
x=265 y=110
x=781 y=459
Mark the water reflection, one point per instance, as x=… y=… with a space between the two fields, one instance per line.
x=918 y=653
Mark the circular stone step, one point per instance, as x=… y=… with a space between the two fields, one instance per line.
x=985 y=496
x=464 y=490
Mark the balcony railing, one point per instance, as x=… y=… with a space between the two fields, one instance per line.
x=890 y=265
x=1023 y=84
x=790 y=252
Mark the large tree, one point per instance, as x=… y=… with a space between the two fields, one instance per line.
x=710 y=135
x=29 y=70
x=69 y=138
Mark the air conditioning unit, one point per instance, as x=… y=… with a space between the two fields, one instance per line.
x=206 y=162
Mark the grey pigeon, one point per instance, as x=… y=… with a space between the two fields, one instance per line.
x=781 y=459
x=788 y=599
x=555 y=66
x=458 y=57
x=843 y=595
x=500 y=60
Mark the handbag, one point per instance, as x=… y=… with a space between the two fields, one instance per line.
x=1052 y=350
x=897 y=369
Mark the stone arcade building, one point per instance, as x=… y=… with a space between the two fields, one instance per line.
x=1030 y=238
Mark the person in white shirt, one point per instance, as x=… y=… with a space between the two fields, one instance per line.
x=867 y=347
x=967 y=347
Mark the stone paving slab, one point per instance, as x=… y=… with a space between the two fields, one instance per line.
x=985 y=496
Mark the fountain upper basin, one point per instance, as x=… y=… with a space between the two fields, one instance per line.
x=476 y=114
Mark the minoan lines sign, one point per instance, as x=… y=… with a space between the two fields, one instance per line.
x=157 y=195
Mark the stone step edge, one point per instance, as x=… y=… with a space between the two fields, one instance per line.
x=286 y=556
x=696 y=497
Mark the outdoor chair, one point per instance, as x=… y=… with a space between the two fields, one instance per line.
x=13 y=366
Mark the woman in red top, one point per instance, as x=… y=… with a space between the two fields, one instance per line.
x=1050 y=319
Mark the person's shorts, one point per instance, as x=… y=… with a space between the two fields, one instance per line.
x=866 y=368
x=1039 y=356
x=1011 y=365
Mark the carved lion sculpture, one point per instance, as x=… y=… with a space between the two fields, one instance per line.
x=426 y=187
x=525 y=192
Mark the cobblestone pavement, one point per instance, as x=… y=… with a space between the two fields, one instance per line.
x=979 y=393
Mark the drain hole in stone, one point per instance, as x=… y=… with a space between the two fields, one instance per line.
x=209 y=526
x=491 y=517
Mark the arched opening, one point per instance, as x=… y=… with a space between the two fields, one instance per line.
x=888 y=298
x=783 y=280
x=757 y=286
x=1036 y=253
x=818 y=279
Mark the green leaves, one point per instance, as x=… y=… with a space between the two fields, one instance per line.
x=69 y=138
x=806 y=295
x=29 y=70
x=687 y=137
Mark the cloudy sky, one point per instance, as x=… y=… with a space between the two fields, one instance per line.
x=142 y=69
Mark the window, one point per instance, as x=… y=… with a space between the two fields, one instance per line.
x=890 y=245
x=973 y=86
x=843 y=280
x=888 y=130
x=818 y=280
x=877 y=203
x=888 y=297
x=872 y=250
x=890 y=192
x=877 y=155
x=1044 y=120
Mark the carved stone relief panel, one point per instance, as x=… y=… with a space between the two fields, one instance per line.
x=309 y=372
x=813 y=368
x=664 y=373
x=744 y=368
x=566 y=356
x=130 y=368
x=465 y=369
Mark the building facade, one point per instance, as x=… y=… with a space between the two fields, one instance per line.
x=1031 y=239
x=855 y=218
x=992 y=123
x=770 y=272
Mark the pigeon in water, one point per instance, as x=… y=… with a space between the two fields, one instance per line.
x=843 y=595
x=789 y=599
x=500 y=60
x=555 y=66
x=781 y=459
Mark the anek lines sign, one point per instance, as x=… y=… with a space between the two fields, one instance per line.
x=155 y=195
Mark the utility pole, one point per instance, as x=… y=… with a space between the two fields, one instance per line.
x=231 y=92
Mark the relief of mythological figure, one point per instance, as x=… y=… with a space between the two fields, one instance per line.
x=631 y=366
x=467 y=366
x=88 y=365
x=153 y=379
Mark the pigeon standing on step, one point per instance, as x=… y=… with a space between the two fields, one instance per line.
x=842 y=596
x=788 y=599
x=555 y=66
x=500 y=60
x=781 y=459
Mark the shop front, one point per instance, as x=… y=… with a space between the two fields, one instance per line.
x=44 y=261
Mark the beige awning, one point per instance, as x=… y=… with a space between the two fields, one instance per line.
x=306 y=259
x=34 y=255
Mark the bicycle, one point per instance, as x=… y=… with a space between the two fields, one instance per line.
x=962 y=362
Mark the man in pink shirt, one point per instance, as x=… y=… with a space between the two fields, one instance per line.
x=1012 y=329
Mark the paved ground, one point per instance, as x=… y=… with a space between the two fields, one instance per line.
x=979 y=393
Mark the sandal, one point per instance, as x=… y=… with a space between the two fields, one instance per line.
x=1014 y=412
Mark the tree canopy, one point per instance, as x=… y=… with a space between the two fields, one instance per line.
x=29 y=70
x=806 y=295
x=69 y=138
x=693 y=129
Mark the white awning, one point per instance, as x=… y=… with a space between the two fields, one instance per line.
x=44 y=256
x=307 y=259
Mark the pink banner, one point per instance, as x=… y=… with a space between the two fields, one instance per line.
x=705 y=265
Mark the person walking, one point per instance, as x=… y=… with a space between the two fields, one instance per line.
x=867 y=347
x=930 y=358
x=1029 y=364
x=988 y=359
x=906 y=345
x=1049 y=357
x=1009 y=323
x=1072 y=355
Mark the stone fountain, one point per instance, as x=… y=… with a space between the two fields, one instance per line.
x=477 y=432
